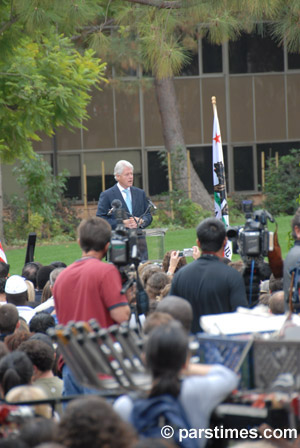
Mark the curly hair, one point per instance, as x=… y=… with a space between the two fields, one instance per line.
x=91 y=421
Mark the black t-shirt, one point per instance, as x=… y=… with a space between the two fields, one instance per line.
x=210 y=286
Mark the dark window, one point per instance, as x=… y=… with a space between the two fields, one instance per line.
x=255 y=53
x=202 y=162
x=192 y=67
x=157 y=174
x=73 y=189
x=211 y=57
x=243 y=168
x=293 y=61
x=270 y=150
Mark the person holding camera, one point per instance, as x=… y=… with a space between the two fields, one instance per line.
x=131 y=200
x=211 y=286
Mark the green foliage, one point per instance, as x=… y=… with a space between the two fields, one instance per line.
x=282 y=184
x=187 y=214
x=43 y=85
x=43 y=209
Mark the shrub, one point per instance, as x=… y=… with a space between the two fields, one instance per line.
x=282 y=184
x=43 y=209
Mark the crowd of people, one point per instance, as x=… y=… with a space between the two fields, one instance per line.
x=183 y=393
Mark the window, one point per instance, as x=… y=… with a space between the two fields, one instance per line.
x=157 y=174
x=255 y=53
x=211 y=57
x=192 y=67
x=202 y=161
x=270 y=150
x=243 y=168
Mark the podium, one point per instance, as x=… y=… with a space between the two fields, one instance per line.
x=156 y=243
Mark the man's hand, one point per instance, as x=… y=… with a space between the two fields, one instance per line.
x=130 y=223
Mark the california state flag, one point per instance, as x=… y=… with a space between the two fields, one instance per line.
x=220 y=195
x=2 y=254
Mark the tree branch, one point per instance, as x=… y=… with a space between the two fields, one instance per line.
x=4 y=26
x=160 y=4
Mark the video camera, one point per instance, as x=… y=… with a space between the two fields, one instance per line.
x=123 y=253
x=253 y=239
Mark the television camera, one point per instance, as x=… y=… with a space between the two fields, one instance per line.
x=124 y=252
x=252 y=242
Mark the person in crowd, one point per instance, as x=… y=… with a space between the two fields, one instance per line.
x=42 y=278
x=31 y=294
x=275 y=284
x=48 y=305
x=199 y=392
x=46 y=293
x=58 y=264
x=154 y=320
x=172 y=261
x=91 y=422
x=155 y=284
x=4 y=271
x=41 y=322
x=292 y=257
x=27 y=393
x=276 y=302
x=38 y=430
x=134 y=203
x=29 y=272
x=95 y=286
x=180 y=309
x=9 y=320
x=211 y=287
x=16 y=293
x=12 y=341
x=42 y=356
x=16 y=369
x=148 y=271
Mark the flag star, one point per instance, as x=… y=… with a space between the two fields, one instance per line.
x=217 y=138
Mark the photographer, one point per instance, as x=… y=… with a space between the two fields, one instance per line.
x=207 y=283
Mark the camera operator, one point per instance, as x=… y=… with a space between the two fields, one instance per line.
x=133 y=201
x=292 y=257
x=211 y=286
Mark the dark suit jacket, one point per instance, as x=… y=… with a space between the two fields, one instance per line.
x=139 y=205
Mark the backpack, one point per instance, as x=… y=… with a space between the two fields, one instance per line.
x=149 y=415
x=294 y=293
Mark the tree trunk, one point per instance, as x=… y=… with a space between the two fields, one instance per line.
x=174 y=143
x=1 y=207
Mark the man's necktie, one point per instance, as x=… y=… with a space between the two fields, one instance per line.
x=128 y=200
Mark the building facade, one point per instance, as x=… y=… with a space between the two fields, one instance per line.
x=257 y=86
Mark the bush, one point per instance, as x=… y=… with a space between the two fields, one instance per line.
x=187 y=213
x=282 y=184
x=43 y=209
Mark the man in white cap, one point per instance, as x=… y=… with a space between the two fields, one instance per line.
x=16 y=293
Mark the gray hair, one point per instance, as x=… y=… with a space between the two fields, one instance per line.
x=120 y=165
x=54 y=274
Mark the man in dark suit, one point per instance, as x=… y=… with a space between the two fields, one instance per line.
x=135 y=206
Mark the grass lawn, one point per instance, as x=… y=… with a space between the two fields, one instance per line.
x=177 y=239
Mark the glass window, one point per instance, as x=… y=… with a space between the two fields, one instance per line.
x=293 y=61
x=243 y=168
x=157 y=174
x=192 y=67
x=270 y=150
x=255 y=53
x=202 y=161
x=211 y=57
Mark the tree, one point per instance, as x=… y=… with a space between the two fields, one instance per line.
x=44 y=81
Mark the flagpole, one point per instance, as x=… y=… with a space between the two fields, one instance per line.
x=214 y=104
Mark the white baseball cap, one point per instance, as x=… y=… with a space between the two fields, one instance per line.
x=15 y=285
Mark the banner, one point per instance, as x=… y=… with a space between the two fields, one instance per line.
x=220 y=195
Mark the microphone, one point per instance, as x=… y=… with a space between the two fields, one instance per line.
x=116 y=203
x=151 y=204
